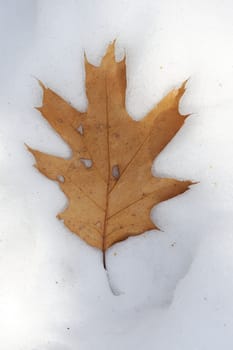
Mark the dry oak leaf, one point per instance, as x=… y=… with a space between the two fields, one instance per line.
x=108 y=179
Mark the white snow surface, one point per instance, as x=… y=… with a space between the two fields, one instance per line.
x=175 y=286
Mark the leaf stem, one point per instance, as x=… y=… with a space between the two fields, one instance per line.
x=104 y=260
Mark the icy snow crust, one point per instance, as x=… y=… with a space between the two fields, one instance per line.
x=176 y=285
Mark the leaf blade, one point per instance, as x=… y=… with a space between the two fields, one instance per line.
x=111 y=199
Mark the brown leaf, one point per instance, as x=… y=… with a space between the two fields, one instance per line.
x=108 y=179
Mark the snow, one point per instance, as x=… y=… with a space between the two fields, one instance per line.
x=175 y=286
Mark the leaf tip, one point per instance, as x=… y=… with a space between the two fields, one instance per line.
x=40 y=83
x=28 y=147
x=111 y=46
x=39 y=109
x=85 y=57
x=87 y=64
x=181 y=90
x=157 y=228
x=32 y=151
x=186 y=116
x=110 y=54
x=191 y=183
x=59 y=216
